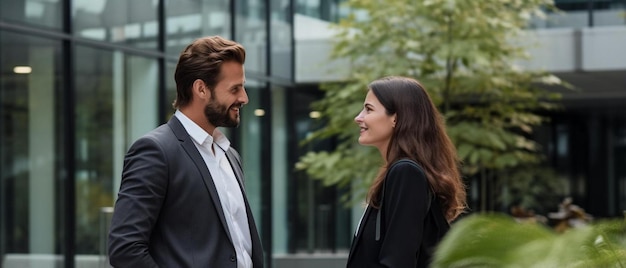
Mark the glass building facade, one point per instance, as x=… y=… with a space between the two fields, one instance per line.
x=80 y=80
x=586 y=141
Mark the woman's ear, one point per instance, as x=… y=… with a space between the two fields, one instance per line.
x=393 y=120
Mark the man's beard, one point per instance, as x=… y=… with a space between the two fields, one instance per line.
x=219 y=115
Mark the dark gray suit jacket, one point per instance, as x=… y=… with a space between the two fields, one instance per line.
x=168 y=212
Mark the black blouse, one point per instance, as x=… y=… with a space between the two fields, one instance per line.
x=410 y=228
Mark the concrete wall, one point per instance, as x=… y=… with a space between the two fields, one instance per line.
x=604 y=48
x=311 y=260
x=94 y=261
x=51 y=261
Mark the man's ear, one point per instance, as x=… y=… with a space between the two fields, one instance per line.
x=200 y=90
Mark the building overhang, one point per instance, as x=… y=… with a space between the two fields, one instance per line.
x=593 y=60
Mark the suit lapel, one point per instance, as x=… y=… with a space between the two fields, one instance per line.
x=196 y=158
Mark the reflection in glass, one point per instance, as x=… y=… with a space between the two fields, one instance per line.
x=187 y=20
x=281 y=168
x=327 y=10
x=94 y=142
x=251 y=32
x=170 y=91
x=31 y=128
x=319 y=221
x=35 y=12
x=118 y=21
x=116 y=102
x=281 y=39
x=250 y=142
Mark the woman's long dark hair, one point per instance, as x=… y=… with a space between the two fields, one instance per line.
x=420 y=135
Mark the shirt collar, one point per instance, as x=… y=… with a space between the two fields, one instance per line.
x=200 y=136
x=220 y=140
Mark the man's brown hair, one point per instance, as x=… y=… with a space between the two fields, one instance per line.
x=202 y=59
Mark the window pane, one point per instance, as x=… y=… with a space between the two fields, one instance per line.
x=187 y=20
x=250 y=32
x=620 y=162
x=281 y=39
x=281 y=168
x=35 y=12
x=31 y=152
x=327 y=10
x=609 y=12
x=170 y=91
x=94 y=142
x=585 y=13
x=252 y=136
x=320 y=222
x=118 y=21
x=116 y=102
x=253 y=144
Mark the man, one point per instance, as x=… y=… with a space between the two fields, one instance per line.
x=182 y=201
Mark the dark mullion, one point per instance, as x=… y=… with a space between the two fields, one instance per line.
x=162 y=95
x=291 y=14
x=69 y=138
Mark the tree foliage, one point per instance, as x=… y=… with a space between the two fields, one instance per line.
x=465 y=53
x=493 y=240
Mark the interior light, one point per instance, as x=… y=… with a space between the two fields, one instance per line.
x=22 y=69
x=259 y=112
x=315 y=114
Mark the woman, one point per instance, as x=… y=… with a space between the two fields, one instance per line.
x=419 y=189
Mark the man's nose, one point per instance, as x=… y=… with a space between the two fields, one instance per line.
x=244 y=97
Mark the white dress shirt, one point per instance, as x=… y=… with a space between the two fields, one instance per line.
x=213 y=150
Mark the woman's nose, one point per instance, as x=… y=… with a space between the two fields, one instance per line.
x=358 y=118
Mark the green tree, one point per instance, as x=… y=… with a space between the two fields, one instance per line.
x=465 y=54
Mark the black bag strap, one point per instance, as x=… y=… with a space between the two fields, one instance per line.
x=382 y=196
